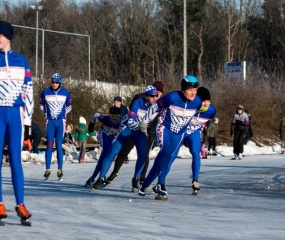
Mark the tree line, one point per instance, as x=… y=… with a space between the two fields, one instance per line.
x=140 y=40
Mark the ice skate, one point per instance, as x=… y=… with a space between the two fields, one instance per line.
x=195 y=187
x=99 y=183
x=3 y=214
x=142 y=191
x=215 y=153
x=240 y=157
x=161 y=189
x=161 y=197
x=111 y=178
x=135 y=184
x=154 y=190
x=24 y=214
x=47 y=174
x=88 y=183
x=235 y=157
x=162 y=193
x=59 y=174
x=82 y=160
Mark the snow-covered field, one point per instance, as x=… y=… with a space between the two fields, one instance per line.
x=239 y=199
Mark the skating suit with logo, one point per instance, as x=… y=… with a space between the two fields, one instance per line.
x=200 y=118
x=55 y=104
x=109 y=128
x=16 y=86
x=178 y=111
x=138 y=111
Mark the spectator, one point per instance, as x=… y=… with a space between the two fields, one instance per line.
x=118 y=103
x=211 y=134
x=249 y=133
x=68 y=138
x=239 y=127
x=282 y=134
x=81 y=138
x=37 y=134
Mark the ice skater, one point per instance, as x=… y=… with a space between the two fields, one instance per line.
x=55 y=103
x=16 y=109
x=131 y=130
x=179 y=108
x=106 y=134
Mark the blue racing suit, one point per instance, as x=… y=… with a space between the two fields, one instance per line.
x=130 y=130
x=171 y=129
x=55 y=104
x=193 y=139
x=16 y=109
x=106 y=135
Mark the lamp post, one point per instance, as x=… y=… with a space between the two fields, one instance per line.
x=37 y=9
x=184 y=38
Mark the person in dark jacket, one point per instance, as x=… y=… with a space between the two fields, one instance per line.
x=118 y=103
x=37 y=134
x=249 y=133
x=211 y=134
x=239 y=128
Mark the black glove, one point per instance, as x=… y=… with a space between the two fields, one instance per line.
x=28 y=132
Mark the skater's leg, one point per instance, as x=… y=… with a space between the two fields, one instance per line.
x=194 y=142
x=149 y=146
x=59 y=133
x=15 y=133
x=123 y=154
x=114 y=150
x=50 y=133
x=140 y=140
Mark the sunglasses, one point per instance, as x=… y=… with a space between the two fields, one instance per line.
x=153 y=96
x=114 y=115
x=54 y=83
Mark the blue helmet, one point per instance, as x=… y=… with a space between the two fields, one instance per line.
x=56 y=78
x=150 y=90
x=188 y=81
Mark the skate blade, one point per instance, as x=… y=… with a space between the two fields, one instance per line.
x=161 y=197
x=134 y=190
x=195 y=192
x=93 y=190
x=60 y=179
x=26 y=222
x=2 y=222
x=46 y=178
x=140 y=196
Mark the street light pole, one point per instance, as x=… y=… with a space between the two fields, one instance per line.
x=184 y=38
x=38 y=8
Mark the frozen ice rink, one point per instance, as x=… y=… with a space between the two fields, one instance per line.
x=239 y=199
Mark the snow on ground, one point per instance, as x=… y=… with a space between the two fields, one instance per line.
x=93 y=156
x=239 y=199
